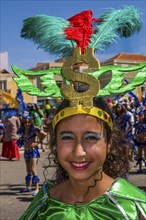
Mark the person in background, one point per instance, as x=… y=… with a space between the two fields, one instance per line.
x=109 y=103
x=140 y=140
x=130 y=127
x=47 y=108
x=122 y=120
x=48 y=124
x=1 y=130
x=48 y=121
x=30 y=138
x=130 y=100
x=37 y=114
x=52 y=113
x=11 y=125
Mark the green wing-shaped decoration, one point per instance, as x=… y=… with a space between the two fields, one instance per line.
x=47 y=78
x=116 y=84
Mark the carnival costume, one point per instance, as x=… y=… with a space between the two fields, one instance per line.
x=1 y=128
x=140 y=129
x=29 y=153
x=31 y=135
x=121 y=123
x=122 y=201
x=77 y=38
x=11 y=124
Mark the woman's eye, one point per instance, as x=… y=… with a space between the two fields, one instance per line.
x=92 y=137
x=66 y=137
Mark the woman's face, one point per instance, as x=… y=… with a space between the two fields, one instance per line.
x=81 y=147
x=118 y=109
x=141 y=117
x=27 y=123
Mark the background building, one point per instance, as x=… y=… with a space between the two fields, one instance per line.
x=3 y=60
x=8 y=85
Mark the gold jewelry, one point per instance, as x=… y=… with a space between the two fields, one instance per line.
x=94 y=111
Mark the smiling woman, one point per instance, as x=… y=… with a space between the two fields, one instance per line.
x=82 y=148
x=89 y=182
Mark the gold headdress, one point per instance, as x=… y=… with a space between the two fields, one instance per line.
x=81 y=102
x=94 y=111
x=77 y=38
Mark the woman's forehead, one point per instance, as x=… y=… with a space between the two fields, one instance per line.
x=27 y=120
x=81 y=120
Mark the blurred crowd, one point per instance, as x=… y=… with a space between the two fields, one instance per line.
x=41 y=115
x=129 y=115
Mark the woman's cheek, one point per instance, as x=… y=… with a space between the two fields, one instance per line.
x=100 y=152
x=63 y=151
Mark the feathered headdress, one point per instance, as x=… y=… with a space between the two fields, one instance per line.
x=59 y=36
x=77 y=39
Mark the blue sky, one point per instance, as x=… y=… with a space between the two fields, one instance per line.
x=24 y=54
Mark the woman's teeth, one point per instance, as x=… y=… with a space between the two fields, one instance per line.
x=79 y=164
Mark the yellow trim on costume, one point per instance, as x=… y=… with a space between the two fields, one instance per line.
x=94 y=111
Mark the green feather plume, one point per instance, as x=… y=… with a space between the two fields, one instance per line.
x=48 y=33
x=116 y=24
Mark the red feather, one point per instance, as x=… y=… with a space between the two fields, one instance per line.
x=81 y=28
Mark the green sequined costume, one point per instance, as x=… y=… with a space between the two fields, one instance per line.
x=122 y=201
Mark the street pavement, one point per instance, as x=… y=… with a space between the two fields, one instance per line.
x=12 y=173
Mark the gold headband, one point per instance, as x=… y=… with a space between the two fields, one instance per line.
x=94 y=111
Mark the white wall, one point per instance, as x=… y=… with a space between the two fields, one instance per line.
x=3 y=60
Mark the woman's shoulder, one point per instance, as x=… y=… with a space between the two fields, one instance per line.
x=125 y=189
x=37 y=202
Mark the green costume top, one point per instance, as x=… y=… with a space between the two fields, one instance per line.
x=122 y=201
x=36 y=117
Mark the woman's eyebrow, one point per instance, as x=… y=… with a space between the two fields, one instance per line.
x=97 y=134
x=65 y=132
x=87 y=132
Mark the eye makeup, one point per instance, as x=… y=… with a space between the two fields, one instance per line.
x=66 y=135
x=93 y=135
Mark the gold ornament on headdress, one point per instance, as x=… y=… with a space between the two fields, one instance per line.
x=68 y=91
x=81 y=102
x=81 y=32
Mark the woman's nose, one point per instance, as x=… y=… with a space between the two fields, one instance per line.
x=79 y=150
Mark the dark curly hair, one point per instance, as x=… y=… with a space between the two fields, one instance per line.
x=115 y=165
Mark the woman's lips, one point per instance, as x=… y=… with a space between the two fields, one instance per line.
x=80 y=166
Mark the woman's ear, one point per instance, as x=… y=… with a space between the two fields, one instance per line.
x=109 y=145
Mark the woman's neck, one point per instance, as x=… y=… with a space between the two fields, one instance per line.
x=74 y=191
x=85 y=191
